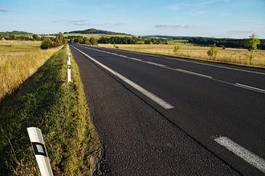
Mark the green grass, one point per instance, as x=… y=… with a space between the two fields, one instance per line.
x=59 y=109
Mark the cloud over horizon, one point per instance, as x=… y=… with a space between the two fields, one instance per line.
x=177 y=26
x=3 y=9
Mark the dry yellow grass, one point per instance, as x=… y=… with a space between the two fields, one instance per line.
x=228 y=55
x=18 y=61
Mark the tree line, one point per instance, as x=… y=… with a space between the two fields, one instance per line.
x=220 y=42
x=51 y=41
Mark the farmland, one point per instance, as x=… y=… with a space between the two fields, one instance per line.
x=18 y=61
x=228 y=55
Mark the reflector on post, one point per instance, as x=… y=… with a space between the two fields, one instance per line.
x=40 y=151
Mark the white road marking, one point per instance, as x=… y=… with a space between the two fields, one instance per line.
x=243 y=153
x=145 y=92
x=135 y=59
x=186 y=71
x=193 y=73
x=156 y=64
x=217 y=66
x=200 y=63
x=250 y=87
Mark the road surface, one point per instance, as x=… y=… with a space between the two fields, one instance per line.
x=159 y=115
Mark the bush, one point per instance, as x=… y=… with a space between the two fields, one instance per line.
x=59 y=40
x=93 y=41
x=36 y=37
x=212 y=52
x=46 y=43
x=252 y=44
x=176 y=49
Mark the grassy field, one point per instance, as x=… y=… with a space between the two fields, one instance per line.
x=46 y=101
x=18 y=61
x=228 y=55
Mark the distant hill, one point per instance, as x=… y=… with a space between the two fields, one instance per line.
x=95 y=31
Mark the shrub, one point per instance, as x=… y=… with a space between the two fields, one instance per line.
x=46 y=43
x=59 y=40
x=252 y=42
x=36 y=37
x=93 y=41
x=212 y=52
x=252 y=45
x=176 y=49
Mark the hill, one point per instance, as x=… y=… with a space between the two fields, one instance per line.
x=94 y=31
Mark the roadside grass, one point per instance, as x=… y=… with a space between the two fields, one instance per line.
x=59 y=109
x=228 y=55
x=18 y=61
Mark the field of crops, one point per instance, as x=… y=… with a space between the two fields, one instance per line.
x=228 y=55
x=18 y=61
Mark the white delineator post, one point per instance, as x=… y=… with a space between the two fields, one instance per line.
x=40 y=151
x=69 y=78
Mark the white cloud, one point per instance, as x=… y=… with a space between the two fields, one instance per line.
x=177 y=26
x=3 y=10
x=194 y=6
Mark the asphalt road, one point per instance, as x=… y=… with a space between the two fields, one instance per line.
x=159 y=115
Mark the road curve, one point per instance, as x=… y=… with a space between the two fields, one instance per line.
x=159 y=115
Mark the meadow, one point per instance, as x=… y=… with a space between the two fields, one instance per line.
x=227 y=55
x=18 y=61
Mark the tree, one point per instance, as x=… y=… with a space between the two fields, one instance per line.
x=93 y=41
x=36 y=37
x=252 y=44
x=46 y=43
x=212 y=52
x=147 y=41
x=59 y=39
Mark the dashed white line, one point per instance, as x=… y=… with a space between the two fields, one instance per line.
x=156 y=64
x=193 y=73
x=250 y=87
x=243 y=153
x=217 y=66
x=145 y=92
x=201 y=63
x=186 y=71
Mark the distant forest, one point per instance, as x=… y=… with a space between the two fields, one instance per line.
x=207 y=41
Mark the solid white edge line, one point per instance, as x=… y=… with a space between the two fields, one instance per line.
x=150 y=95
x=243 y=153
x=250 y=88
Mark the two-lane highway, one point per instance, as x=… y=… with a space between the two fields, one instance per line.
x=220 y=107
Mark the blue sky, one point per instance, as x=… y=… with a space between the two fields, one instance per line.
x=212 y=18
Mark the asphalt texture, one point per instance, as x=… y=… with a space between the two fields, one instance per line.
x=142 y=138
